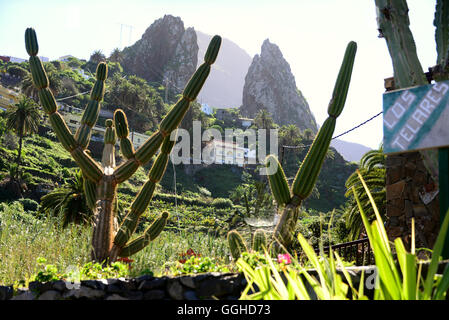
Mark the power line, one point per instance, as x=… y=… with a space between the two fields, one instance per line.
x=342 y=134
x=79 y=94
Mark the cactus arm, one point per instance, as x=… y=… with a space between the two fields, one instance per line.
x=149 y=235
x=236 y=244
x=142 y=200
x=90 y=190
x=122 y=130
x=310 y=168
x=90 y=167
x=308 y=172
x=393 y=23
x=141 y=157
x=108 y=156
x=278 y=182
x=90 y=115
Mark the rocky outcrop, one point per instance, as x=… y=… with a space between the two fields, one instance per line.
x=167 y=52
x=270 y=85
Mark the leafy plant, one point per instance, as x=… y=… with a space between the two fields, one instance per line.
x=89 y=271
x=372 y=169
x=69 y=201
x=198 y=264
x=399 y=278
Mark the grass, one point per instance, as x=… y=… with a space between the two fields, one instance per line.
x=24 y=238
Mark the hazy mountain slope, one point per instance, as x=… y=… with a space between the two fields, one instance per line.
x=351 y=151
x=224 y=87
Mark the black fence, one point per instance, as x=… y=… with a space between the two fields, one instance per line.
x=358 y=251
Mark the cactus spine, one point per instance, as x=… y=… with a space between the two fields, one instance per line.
x=109 y=240
x=308 y=172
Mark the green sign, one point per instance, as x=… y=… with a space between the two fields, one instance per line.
x=416 y=118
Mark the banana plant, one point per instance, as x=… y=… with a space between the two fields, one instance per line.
x=290 y=198
x=110 y=240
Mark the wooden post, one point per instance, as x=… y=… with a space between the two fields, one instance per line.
x=443 y=165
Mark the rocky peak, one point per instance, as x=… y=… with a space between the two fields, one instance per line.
x=270 y=85
x=166 y=51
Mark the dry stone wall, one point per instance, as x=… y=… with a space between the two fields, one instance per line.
x=411 y=192
x=224 y=286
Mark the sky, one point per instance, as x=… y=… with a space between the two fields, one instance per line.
x=312 y=36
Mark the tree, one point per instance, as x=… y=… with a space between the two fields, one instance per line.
x=24 y=119
x=308 y=134
x=97 y=56
x=263 y=120
x=289 y=135
x=116 y=56
x=133 y=94
x=69 y=202
x=372 y=169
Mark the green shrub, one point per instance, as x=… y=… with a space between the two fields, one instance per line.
x=29 y=204
x=198 y=265
x=222 y=203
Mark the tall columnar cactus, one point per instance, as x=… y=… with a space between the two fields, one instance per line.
x=393 y=23
x=237 y=245
x=290 y=199
x=109 y=240
x=441 y=23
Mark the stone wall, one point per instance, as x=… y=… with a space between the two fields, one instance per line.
x=411 y=192
x=224 y=286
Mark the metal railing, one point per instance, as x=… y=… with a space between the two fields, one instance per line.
x=358 y=251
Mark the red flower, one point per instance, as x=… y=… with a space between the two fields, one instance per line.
x=189 y=253
x=126 y=260
x=284 y=258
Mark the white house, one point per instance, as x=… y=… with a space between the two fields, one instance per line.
x=83 y=74
x=207 y=109
x=225 y=153
x=65 y=58
x=73 y=121
x=15 y=59
x=246 y=123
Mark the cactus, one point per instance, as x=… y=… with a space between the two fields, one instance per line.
x=441 y=23
x=110 y=241
x=259 y=240
x=237 y=245
x=393 y=23
x=308 y=172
